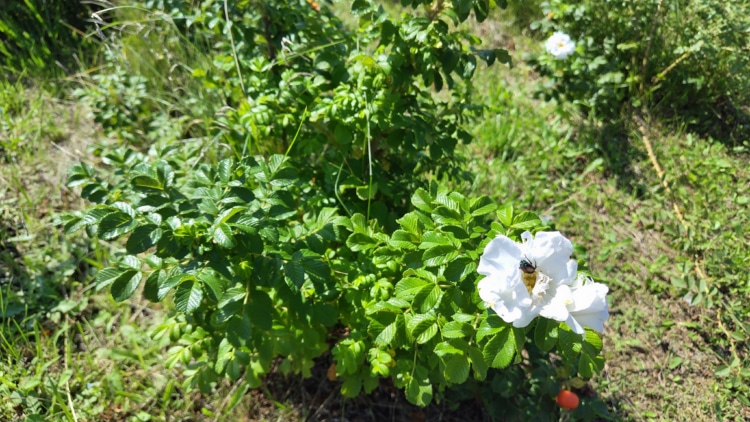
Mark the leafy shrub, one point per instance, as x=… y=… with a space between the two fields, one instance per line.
x=683 y=58
x=319 y=229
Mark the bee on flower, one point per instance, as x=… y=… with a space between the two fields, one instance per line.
x=537 y=277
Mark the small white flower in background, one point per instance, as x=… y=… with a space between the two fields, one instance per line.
x=538 y=277
x=560 y=45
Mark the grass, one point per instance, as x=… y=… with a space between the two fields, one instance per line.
x=661 y=221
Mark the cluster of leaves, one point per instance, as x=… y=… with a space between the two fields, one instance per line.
x=258 y=267
x=356 y=106
x=684 y=58
x=314 y=231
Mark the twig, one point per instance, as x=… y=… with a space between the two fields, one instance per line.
x=660 y=172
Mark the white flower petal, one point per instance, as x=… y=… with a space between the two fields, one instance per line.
x=550 y=252
x=501 y=255
x=594 y=320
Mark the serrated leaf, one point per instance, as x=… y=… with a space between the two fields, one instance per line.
x=526 y=220
x=439 y=255
x=593 y=341
x=456 y=329
x=545 y=334
x=223 y=236
x=408 y=287
x=505 y=215
x=317 y=269
x=589 y=365
x=360 y=242
x=500 y=350
x=224 y=169
x=260 y=310
x=445 y=349
x=446 y=216
x=422 y=200
x=420 y=323
x=456 y=369
x=188 y=296
x=125 y=285
x=108 y=276
x=143 y=238
x=146 y=183
x=481 y=206
x=116 y=224
x=214 y=284
x=419 y=391
x=478 y=362
x=388 y=334
x=403 y=240
x=428 y=298
x=294 y=274
x=459 y=268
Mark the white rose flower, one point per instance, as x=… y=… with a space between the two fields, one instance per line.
x=538 y=277
x=560 y=45
x=583 y=305
x=521 y=278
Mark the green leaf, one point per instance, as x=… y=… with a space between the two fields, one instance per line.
x=481 y=9
x=116 y=224
x=224 y=170
x=294 y=274
x=317 y=269
x=456 y=329
x=224 y=355
x=439 y=255
x=360 y=242
x=422 y=200
x=143 y=238
x=420 y=323
x=481 y=206
x=500 y=350
x=489 y=326
x=124 y=286
x=410 y=224
x=459 y=268
x=146 y=183
x=108 y=276
x=592 y=342
x=239 y=330
x=388 y=334
x=403 y=240
x=408 y=287
x=526 y=220
x=188 y=296
x=456 y=369
x=214 y=284
x=223 y=236
x=446 y=216
x=419 y=391
x=427 y=298
x=260 y=309
x=351 y=386
x=589 y=365
x=478 y=362
x=545 y=334
x=505 y=215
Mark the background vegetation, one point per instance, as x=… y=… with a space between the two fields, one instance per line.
x=636 y=148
